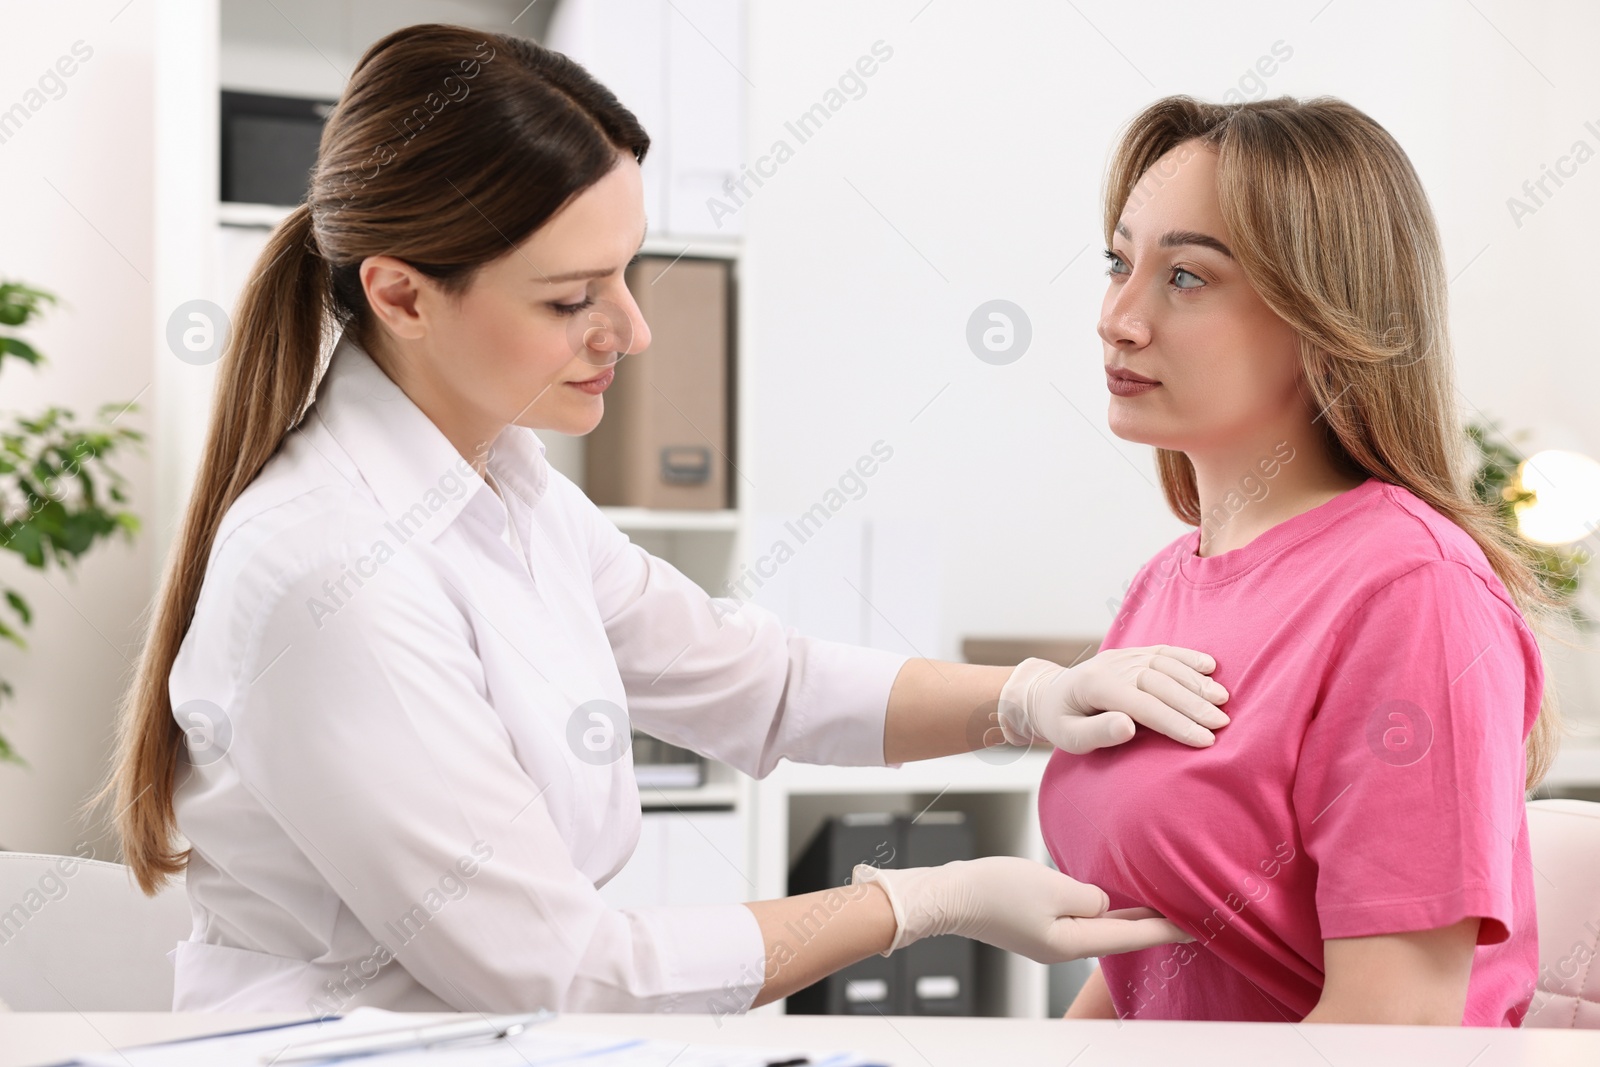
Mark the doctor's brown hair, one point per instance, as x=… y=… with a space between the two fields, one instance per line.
x=448 y=146
x=1330 y=224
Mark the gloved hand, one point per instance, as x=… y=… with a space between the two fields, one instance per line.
x=1096 y=703
x=1014 y=904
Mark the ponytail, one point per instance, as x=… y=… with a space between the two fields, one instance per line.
x=265 y=383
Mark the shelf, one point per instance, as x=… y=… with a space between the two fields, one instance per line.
x=722 y=787
x=998 y=792
x=252 y=216
x=661 y=519
x=693 y=247
x=709 y=795
x=993 y=771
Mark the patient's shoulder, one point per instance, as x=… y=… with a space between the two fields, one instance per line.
x=1400 y=552
x=1402 y=531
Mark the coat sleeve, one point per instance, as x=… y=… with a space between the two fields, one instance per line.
x=724 y=677
x=368 y=736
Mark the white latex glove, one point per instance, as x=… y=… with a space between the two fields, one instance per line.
x=1013 y=904
x=1096 y=703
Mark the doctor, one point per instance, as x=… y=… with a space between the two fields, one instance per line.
x=366 y=714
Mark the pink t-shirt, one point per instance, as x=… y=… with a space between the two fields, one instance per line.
x=1382 y=685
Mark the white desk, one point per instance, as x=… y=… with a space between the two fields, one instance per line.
x=32 y=1039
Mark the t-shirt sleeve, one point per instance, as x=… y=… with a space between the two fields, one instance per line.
x=1409 y=789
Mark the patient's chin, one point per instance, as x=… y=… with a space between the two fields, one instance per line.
x=1141 y=428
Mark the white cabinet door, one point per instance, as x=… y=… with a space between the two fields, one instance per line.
x=694 y=857
x=679 y=67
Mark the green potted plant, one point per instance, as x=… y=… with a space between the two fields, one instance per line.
x=59 y=493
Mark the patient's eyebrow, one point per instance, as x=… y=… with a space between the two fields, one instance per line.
x=1177 y=238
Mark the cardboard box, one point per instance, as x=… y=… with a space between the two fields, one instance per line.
x=665 y=439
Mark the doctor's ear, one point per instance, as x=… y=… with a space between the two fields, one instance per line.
x=394 y=288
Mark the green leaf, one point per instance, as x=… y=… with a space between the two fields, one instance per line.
x=9 y=754
x=12 y=634
x=27 y=542
x=20 y=606
x=16 y=346
x=19 y=302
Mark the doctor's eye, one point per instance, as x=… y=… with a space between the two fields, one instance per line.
x=572 y=309
x=1117 y=266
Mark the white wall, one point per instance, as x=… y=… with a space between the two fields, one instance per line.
x=76 y=182
x=970 y=170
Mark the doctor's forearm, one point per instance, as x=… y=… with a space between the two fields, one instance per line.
x=810 y=936
x=938 y=709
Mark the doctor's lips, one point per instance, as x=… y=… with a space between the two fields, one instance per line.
x=1124 y=382
x=596 y=385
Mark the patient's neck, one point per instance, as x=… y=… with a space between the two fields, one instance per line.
x=1247 y=487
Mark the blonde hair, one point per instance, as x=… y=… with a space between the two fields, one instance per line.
x=448 y=146
x=1329 y=222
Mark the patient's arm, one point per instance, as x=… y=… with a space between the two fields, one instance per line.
x=1414 y=978
x=1093 y=1000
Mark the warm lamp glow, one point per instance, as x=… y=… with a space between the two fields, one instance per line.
x=1566 y=503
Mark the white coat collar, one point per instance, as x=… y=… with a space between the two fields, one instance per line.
x=408 y=461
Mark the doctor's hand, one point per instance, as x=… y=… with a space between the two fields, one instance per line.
x=1013 y=904
x=1096 y=703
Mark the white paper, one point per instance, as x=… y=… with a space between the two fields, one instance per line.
x=534 y=1047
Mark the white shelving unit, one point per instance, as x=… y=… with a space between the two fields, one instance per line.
x=998 y=791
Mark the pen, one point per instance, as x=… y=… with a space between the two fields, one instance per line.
x=410 y=1037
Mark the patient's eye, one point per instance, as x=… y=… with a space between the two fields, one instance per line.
x=1117 y=266
x=1178 y=274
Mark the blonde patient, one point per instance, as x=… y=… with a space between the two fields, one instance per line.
x=1353 y=848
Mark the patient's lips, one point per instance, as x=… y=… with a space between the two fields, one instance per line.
x=1124 y=382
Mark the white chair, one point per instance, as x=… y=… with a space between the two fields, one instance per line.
x=78 y=935
x=1564 y=836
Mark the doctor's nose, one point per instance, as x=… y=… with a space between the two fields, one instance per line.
x=609 y=330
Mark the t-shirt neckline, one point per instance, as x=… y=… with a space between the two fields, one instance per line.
x=1231 y=564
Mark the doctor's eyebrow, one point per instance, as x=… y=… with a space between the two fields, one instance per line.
x=583 y=275
x=1178 y=238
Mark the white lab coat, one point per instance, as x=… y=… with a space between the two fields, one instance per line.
x=391 y=794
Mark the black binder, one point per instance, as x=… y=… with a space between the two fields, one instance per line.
x=937 y=971
x=931 y=977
